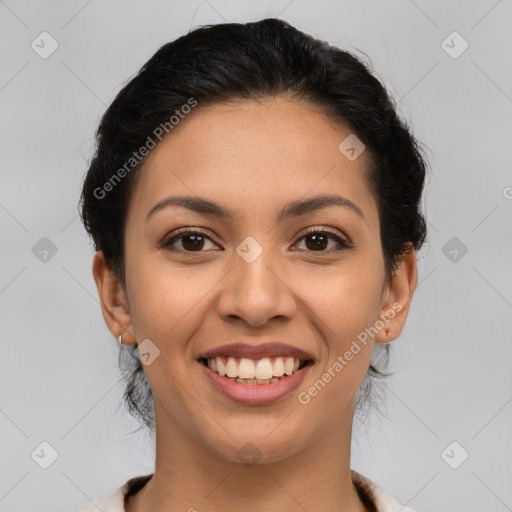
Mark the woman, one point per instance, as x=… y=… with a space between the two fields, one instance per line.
x=254 y=202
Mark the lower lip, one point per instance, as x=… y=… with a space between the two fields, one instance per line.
x=255 y=394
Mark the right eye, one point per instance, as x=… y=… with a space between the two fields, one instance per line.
x=191 y=240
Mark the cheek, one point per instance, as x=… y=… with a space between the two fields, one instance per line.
x=346 y=305
x=345 y=314
x=346 y=300
x=167 y=303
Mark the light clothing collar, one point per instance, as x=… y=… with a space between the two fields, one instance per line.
x=114 y=501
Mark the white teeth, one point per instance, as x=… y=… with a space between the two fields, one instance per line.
x=246 y=369
x=264 y=369
x=256 y=381
x=261 y=370
x=231 y=368
x=288 y=366
x=278 y=367
x=221 y=367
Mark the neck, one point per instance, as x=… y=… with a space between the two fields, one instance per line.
x=190 y=476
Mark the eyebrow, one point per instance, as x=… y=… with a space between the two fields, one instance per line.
x=291 y=209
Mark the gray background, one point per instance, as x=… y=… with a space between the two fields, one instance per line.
x=58 y=377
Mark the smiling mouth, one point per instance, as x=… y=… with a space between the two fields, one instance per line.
x=266 y=370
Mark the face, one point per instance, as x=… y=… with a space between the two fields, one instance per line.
x=311 y=278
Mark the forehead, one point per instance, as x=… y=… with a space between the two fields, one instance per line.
x=251 y=155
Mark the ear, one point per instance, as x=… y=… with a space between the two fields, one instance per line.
x=114 y=303
x=397 y=297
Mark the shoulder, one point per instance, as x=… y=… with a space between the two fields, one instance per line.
x=375 y=496
x=114 y=500
x=111 y=502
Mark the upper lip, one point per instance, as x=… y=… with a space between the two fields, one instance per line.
x=271 y=349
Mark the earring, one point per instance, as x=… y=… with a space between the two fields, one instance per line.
x=119 y=339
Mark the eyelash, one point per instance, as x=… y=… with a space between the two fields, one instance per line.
x=180 y=233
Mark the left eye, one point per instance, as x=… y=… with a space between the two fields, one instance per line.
x=319 y=240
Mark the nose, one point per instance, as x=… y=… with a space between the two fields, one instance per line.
x=256 y=292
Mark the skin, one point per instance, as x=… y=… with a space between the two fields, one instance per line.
x=253 y=157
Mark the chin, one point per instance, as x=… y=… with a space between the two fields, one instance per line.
x=252 y=450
